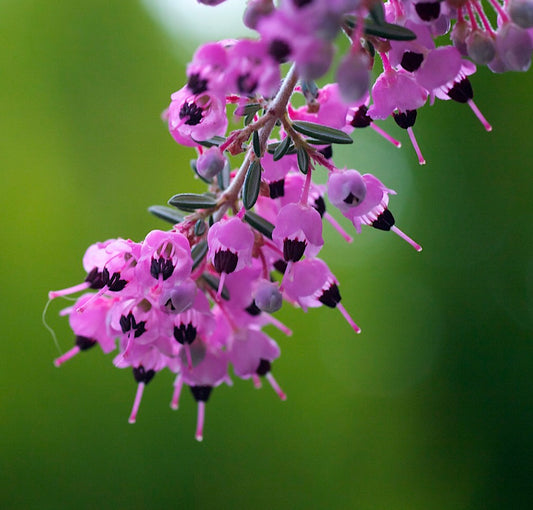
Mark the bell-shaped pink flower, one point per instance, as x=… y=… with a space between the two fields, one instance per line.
x=298 y=232
x=193 y=118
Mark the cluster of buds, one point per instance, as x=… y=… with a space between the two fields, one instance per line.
x=195 y=299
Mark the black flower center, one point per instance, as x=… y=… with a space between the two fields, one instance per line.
x=361 y=119
x=384 y=221
x=462 y=91
x=428 y=11
x=411 y=61
x=279 y=50
x=225 y=261
x=161 y=266
x=201 y=393
x=141 y=375
x=185 y=333
x=293 y=250
x=331 y=296
x=196 y=84
x=277 y=188
x=246 y=84
x=193 y=112
x=128 y=323
x=405 y=119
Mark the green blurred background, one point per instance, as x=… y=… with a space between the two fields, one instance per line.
x=430 y=407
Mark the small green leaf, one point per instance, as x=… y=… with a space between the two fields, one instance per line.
x=320 y=132
x=259 y=223
x=388 y=31
x=256 y=144
x=377 y=12
x=303 y=160
x=252 y=184
x=282 y=148
x=198 y=252
x=251 y=108
x=223 y=177
x=215 y=140
x=192 y=201
x=199 y=228
x=166 y=213
x=213 y=282
x=249 y=118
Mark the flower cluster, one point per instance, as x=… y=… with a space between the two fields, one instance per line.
x=195 y=299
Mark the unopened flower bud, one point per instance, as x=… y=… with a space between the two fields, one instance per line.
x=513 y=49
x=210 y=163
x=255 y=10
x=353 y=76
x=210 y=2
x=459 y=34
x=480 y=47
x=521 y=12
x=267 y=297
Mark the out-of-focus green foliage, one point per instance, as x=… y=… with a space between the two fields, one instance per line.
x=429 y=408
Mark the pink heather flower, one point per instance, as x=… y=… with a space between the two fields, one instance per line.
x=193 y=118
x=206 y=70
x=145 y=362
x=410 y=54
x=165 y=258
x=251 y=70
x=298 y=232
x=311 y=284
x=90 y=328
x=345 y=191
x=230 y=245
x=209 y=369
x=252 y=354
x=395 y=90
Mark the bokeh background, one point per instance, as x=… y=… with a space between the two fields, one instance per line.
x=430 y=407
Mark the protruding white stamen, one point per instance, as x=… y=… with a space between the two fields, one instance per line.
x=479 y=115
x=279 y=325
x=70 y=290
x=405 y=237
x=200 y=421
x=335 y=224
x=348 y=318
x=257 y=381
x=136 y=403
x=221 y=285
x=68 y=355
x=385 y=135
x=178 y=385
x=275 y=386
x=412 y=137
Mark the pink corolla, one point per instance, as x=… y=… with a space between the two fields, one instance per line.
x=209 y=369
x=364 y=199
x=312 y=284
x=165 y=258
x=230 y=247
x=251 y=354
x=251 y=69
x=196 y=117
x=90 y=328
x=395 y=90
x=298 y=232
